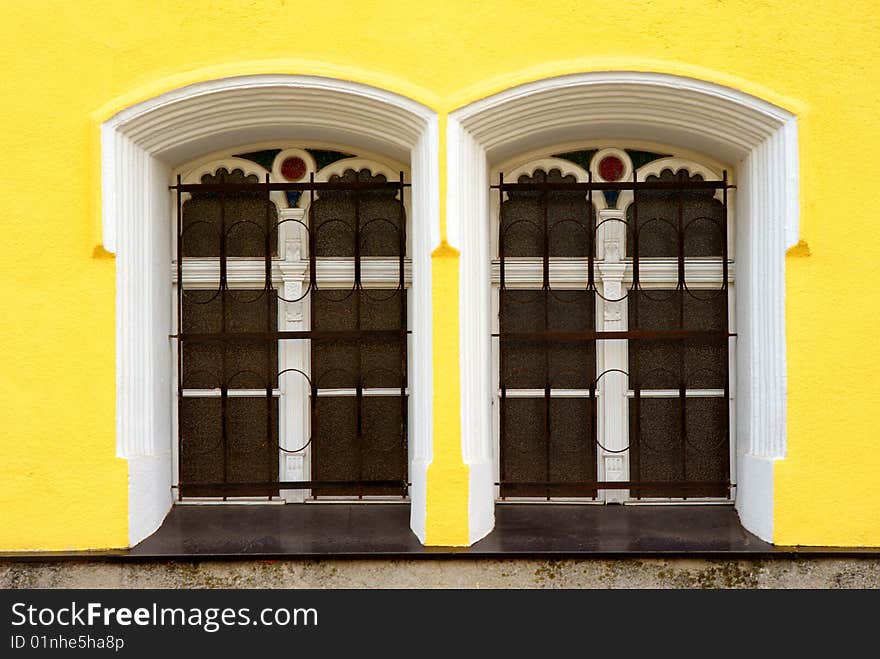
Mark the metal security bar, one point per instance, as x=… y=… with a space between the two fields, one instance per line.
x=228 y=340
x=549 y=442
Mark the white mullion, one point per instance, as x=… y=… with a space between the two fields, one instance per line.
x=294 y=418
x=613 y=317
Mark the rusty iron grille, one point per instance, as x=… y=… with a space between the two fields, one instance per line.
x=354 y=357
x=677 y=338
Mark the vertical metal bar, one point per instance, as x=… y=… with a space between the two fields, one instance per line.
x=314 y=447
x=591 y=286
x=403 y=326
x=545 y=293
x=179 y=331
x=271 y=446
x=682 y=373
x=359 y=437
x=502 y=412
x=594 y=417
x=726 y=338
x=633 y=322
x=224 y=385
x=591 y=240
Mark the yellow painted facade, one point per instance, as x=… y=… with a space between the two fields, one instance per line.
x=68 y=66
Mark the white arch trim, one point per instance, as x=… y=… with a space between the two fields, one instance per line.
x=756 y=137
x=139 y=147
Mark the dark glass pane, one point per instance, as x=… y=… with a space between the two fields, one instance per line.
x=343 y=309
x=708 y=456
x=248 y=362
x=376 y=214
x=374 y=361
x=247 y=456
x=658 y=363
x=701 y=215
x=252 y=459
x=659 y=444
x=338 y=454
x=571 y=363
x=523 y=446
x=384 y=445
x=572 y=450
x=247 y=216
x=568 y=219
x=664 y=456
x=201 y=440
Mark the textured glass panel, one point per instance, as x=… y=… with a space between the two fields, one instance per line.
x=707 y=455
x=702 y=220
x=664 y=457
x=659 y=363
x=252 y=459
x=567 y=217
x=335 y=215
x=571 y=363
x=248 y=362
x=570 y=311
x=338 y=455
x=660 y=444
x=372 y=361
x=335 y=450
x=524 y=365
x=247 y=216
x=523 y=446
x=381 y=363
x=524 y=362
x=522 y=311
x=201 y=440
x=334 y=309
x=384 y=454
x=572 y=450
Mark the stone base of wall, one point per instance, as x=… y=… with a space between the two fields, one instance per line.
x=449 y=573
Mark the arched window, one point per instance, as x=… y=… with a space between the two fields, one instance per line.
x=613 y=312
x=292 y=324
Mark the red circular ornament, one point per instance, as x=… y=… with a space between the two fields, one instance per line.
x=611 y=168
x=293 y=169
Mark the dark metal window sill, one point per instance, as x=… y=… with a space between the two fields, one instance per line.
x=381 y=531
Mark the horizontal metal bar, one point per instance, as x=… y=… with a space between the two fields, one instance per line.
x=632 y=335
x=290 y=485
x=627 y=185
x=620 y=485
x=262 y=187
x=304 y=334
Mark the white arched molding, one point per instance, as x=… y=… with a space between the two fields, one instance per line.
x=139 y=148
x=729 y=126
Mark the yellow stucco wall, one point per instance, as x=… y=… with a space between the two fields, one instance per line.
x=67 y=65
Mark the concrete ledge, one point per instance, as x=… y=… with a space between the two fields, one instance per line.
x=782 y=572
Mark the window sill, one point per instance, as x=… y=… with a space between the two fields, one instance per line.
x=381 y=531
